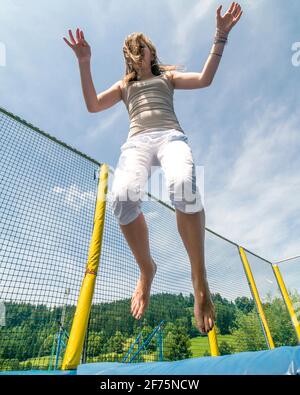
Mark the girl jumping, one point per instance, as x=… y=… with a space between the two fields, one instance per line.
x=156 y=138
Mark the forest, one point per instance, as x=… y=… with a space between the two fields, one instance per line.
x=30 y=335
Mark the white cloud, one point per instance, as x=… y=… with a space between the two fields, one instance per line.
x=254 y=200
x=106 y=123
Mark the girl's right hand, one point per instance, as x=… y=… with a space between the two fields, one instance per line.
x=81 y=47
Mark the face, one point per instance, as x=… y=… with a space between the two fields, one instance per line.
x=146 y=54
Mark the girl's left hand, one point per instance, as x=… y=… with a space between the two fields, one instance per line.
x=226 y=22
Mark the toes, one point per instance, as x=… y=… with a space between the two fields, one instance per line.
x=136 y=312
x=201 y=325
x=211 y=323
x=133 y=304
x=133 y=301
x=206 y=324
x=140 y=311
x=135 y=308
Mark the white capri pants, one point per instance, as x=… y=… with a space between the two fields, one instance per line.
x=168 y=149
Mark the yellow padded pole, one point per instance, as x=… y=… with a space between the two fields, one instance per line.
x=287 y=300
x=80 y=322
x=213 y=342
x=256 y=297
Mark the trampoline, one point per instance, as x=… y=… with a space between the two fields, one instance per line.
x=279 y=361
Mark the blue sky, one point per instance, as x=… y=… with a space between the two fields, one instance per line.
x=244 y=128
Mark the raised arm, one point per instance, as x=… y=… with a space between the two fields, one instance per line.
x=203 y=79
x=224 y=25
x=94 y=102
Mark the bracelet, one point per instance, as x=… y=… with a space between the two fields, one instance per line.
x=212 y=53
x=220 y=37
x=221 y=32
x=218 y=41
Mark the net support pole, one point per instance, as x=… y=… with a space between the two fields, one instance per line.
x=213 y=342
x=79 y=326
x=256 y=297
x=287 y=300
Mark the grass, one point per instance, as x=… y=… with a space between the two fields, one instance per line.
x=199 y=348
x=41 y=362
x=200 y=344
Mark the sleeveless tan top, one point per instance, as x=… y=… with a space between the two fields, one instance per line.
x=150 y=104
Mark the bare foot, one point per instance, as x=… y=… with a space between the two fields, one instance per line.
x=204 y=309
x=141 y=296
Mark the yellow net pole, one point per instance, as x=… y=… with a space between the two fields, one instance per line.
x=256 y=298
x=79 y=326
x=213 y=342
x=287 y=300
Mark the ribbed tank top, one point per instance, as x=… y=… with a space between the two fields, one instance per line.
x=150 y=104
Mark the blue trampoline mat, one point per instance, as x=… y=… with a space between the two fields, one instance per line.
x=279 y=361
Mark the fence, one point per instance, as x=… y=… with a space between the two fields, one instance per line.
x=47 y=205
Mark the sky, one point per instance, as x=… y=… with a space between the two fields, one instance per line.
x=243 y=129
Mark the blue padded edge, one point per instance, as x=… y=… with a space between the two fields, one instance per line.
x=279 y=361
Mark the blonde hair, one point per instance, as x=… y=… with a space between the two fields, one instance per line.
x=132 y=51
